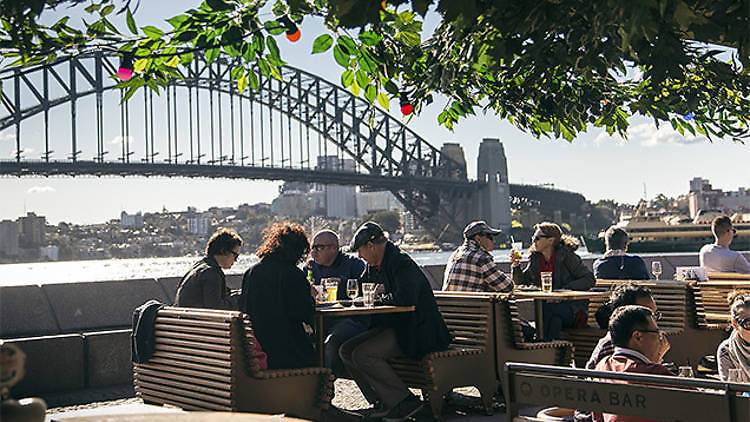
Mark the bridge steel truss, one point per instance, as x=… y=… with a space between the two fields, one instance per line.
x=387 y=154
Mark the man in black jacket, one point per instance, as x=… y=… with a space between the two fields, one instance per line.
x=411 y=334
x=205 y=286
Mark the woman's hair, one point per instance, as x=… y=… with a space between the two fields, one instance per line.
x=739 y=302
x=286 y=241
x=624 y=294
x=222 y=241
x=553 y=230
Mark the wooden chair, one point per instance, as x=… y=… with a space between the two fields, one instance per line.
x=204 y=360
x=654 y=397
x=511 y=346
x=470 y=360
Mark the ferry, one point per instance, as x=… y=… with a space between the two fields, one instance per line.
x=668 y=232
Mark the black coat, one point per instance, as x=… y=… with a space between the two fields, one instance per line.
x=276 y=295
x=419 y=332
x=205 y=286
x=569 y=273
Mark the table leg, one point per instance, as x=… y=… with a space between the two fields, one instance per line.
x=539 y=318
x=321 y=338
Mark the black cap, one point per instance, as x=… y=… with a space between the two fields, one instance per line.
x=367 y=232
x=479 y=227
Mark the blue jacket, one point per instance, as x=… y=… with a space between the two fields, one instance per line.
x=344 y=267
x=624 y=267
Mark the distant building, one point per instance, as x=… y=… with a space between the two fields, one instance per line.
x=298 y=203
x=128 y=221
x=199 y=224
x=369 y=202
x=49 y=253
x=340 y=199
x=703 y=196
x=8 y=238
x=31 y=231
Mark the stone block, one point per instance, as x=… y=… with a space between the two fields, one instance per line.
x=100 y=305
x=108 y=358
x=169 y=284
x=53 y=364
x=25 y=311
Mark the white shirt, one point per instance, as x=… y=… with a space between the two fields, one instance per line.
x=719 y=258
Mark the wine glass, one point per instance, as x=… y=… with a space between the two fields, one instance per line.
x=352 y=288
x=656 y=269
x=686 y=372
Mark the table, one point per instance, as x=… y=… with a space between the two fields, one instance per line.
x=339 y=311
x=727 y=276
x=540 y=297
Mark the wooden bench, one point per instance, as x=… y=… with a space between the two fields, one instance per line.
x=512 y=347
x=204 y=360
x=470 y=360
x=654 y=397
x=711 y=307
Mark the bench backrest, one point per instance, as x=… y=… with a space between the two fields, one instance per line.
x=671 y=297
x=711 y=306
x=636 y=395
x=198 y=354
x=469 y=317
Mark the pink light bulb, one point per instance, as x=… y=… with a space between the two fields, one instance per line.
x=124 y=73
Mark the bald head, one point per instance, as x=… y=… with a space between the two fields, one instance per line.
x=325 y=247
x=327 y=236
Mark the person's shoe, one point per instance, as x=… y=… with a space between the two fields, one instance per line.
x=374 y=413
x=406 y=408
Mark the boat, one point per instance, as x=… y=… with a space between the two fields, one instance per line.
x=670 y=232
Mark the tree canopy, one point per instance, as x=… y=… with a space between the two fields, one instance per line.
x=551 y=67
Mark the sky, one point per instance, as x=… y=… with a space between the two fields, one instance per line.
x=650 y=161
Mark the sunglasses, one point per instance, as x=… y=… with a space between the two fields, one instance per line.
x=321 y=246
x=236 y=254
x=488 y=236
x=539 y=236
x=744 y=323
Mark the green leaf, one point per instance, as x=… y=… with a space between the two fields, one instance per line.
x=348 y=44
x=410 y=39
x=347 y=78
x=369 y=38
x=355 y=88
x=391 y=87
x=177 y=21
x=186 y=59
x=370 y=93
x=107 y=10
x=212 y=54
x=273 y=48
x=93 y=8
x=153 y=32
x=173 y=62
x=140 y=65
x=362 y=78
x=253 y=79
x=341 y=58
x=274 y=27
x=322 y=43
x=186 y=36
x=384 y=101
x=232 y=35
x=242 y=84
x=367 y=63
x=219 y=5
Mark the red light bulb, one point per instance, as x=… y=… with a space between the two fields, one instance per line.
x=125 y=72
x=293 y=36
x=292 y=32
x=407 y=109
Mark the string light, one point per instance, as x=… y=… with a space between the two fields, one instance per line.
x=406 y=106
x=293 y=33
x=125 y=72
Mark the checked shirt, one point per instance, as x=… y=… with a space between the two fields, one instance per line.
x=472 y=269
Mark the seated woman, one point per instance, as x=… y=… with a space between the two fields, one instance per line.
x=554 y=252
x=734 y=352
x=277 y=296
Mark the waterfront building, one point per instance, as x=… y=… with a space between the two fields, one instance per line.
x=8 y=238
x=340 y=199
x=32 y=231
x=703 y=196
x=370 y=202
x=128 y=221
x=49 y=253
x=199 y=224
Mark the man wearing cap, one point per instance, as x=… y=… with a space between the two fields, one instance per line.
x=410 y=334
x=471 y=268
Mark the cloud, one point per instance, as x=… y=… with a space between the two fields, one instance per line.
x=117 y=140
x=650 y=136
x=40 y=189
x=7 y=135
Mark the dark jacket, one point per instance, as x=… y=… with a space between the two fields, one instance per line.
x=569 y=273
x=419 y=332
x=625 y=267
x=205 y=286
x=276 y=295
x=344 y=267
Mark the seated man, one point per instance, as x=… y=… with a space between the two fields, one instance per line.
x=616 y=264
x=329 y=261
x=471 y=268
x=639 y=348
x=717 y=256
x=411 y=334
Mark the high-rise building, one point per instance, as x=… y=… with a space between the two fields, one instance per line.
x=8 y=238
x=134 y=221
x=494 y=193
x=340 y=199
x=199 y=224
x=369 y=202
x=31 y=231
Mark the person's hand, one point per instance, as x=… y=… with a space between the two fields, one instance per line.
x=515 y=258
x=663 y=345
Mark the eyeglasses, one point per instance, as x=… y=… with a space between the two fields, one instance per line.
x=321 y=246
x=236 y=254
x=539 y=236
x=734 y=231
x=488 y=236
x=744 y=323
x=648 y=331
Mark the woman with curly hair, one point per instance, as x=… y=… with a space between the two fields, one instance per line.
x=277 y=296
x=734 y=352
x=554 y=252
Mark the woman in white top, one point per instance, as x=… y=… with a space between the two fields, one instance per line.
x=734 y=352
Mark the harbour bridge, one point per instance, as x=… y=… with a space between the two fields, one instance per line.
x=201 y=126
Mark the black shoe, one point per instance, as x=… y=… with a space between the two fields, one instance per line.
x=406 y=408
x=374 y=413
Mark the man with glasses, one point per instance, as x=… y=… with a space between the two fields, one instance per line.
x=328 y=261
x=639 y=347
x=472 y=267
x=717 y=256
x=205 y=285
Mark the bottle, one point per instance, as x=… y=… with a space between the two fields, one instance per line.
x=309 y=272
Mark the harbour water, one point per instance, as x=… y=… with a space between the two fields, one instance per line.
x=126 y=269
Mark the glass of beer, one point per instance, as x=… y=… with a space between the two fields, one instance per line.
x=332 y=288
x=546 y=281
x=368 y=294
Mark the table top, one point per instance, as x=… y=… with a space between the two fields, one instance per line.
x=728 y=276
x=724 y=283
x=559 y=294
x=340 y=310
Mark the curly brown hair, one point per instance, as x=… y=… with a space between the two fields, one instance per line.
x=285 y=240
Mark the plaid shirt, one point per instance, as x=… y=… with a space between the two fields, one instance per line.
x=472 y=269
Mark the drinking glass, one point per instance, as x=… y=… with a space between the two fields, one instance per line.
x=516 y=248
x=656 y=269
x=368 y=293
x=736 y=375
x=546 y=281
x=332 y=287
x=352 y=288
x=686 y=372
